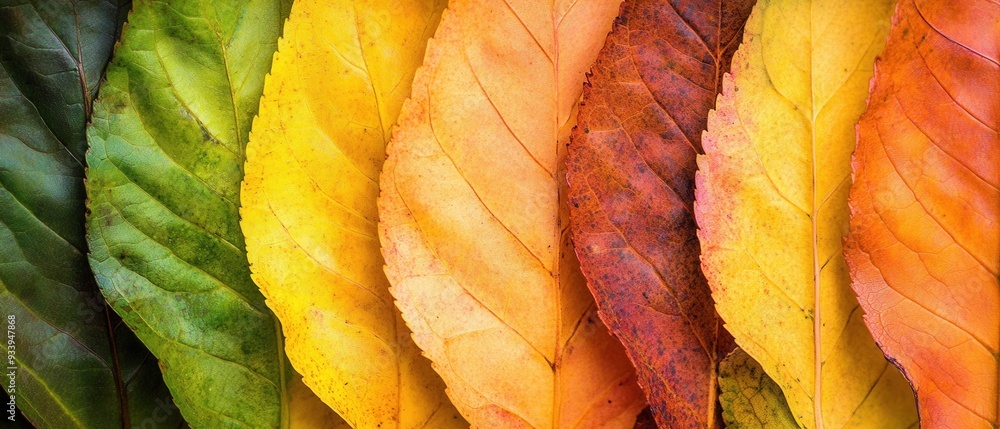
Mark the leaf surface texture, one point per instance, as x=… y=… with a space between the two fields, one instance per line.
x=77 y=365
x=750 y=399
x=924 y=248
x=772 y=209
x=340 y=77
x=631 y=174
x=473 y=219
x=165 y=166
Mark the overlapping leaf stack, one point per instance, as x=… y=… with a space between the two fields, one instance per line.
x=422 y=175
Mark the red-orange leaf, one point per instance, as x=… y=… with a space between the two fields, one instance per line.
x=631 y=173
x=924 y=249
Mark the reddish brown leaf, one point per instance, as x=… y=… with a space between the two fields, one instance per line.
x=631 y=174
x=924 y=248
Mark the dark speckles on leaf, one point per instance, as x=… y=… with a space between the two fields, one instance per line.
x=168 y=178
x=206 y=135
x=631 y=192
x=116 y=105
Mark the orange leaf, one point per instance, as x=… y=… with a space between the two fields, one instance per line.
x=924 y=248
x=473 y=219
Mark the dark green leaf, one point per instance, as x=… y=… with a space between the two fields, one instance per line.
x=77 y=365
x=166 y=159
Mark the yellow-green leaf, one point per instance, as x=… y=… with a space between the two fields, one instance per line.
x=164 y=170
x=340 y=76
x=772 y=208
x=750 y=399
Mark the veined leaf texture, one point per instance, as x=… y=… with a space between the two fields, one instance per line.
x=473 y=219
x=924 y=248
x=76 y=365
x=772 y=209
x=153 y=282
x=631 y=175
x=750 y=399
x=165 y=166
x=339 y=79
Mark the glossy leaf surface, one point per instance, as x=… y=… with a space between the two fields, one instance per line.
x=772 y=209
x=309 y=209
x=473 y=219
x=77 y=365
x=631 y=174
x=924 y=248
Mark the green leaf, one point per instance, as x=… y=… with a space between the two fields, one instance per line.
x=166 y=160
x=750 y=399
x=77 y=365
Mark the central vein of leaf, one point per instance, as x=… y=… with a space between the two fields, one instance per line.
x=817 y=326
x=817 y=314
x=557 y=236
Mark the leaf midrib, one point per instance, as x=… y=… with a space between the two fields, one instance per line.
x=560 y=345
x=817 y=304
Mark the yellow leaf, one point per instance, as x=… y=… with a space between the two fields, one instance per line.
x=307 y=411
x=473 y=219
x=309 y=210
x=772 y=208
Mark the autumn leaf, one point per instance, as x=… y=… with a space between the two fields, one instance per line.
x=75 y=364
x=772 y=208
x=309 y=210
x=924 y=247
x=631 y=173
x=473 y=219
x=305 y=410
x=165 y=166
x=750 y=399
